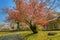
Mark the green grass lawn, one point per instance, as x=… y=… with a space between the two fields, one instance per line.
x=41 y=35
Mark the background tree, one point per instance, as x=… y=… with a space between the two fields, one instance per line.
x=13 y=17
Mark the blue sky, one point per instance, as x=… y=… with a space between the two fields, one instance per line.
x=7 y=4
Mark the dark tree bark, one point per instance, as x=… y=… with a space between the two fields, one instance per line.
x=33 y=28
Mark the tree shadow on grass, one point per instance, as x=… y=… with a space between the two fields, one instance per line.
x=27 y=36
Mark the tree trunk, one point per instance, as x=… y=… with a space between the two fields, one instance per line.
x=33 y=28
x=18 y=26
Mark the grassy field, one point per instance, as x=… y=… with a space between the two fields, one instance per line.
x=41 y=35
